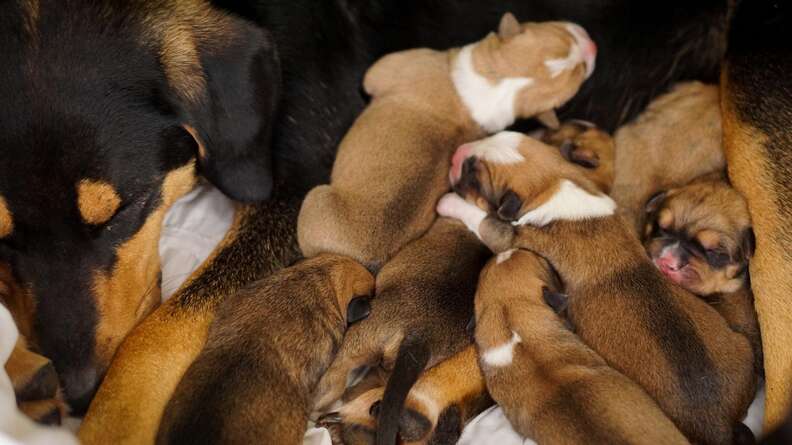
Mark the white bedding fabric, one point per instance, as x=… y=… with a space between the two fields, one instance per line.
x=193 y=226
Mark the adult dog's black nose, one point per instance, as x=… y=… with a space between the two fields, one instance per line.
x=80 y=385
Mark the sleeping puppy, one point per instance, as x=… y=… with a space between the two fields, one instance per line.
x=266 y=350
x=675 y=140
x=552 y=387
x=385 y=181
x=699 y=236
x=418 y=318
x=670 y=342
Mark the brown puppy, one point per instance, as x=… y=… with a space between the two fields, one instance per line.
x=700 y=237
x=418 y=318
x=385 y=180
x=675 y=140
x=266 y=350
x=673 y=344
x=552 y=387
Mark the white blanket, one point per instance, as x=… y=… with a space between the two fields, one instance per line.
x=192 y=228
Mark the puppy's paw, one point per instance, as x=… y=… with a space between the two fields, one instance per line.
x=451 y=205
x=454 y=206
x=356 y=422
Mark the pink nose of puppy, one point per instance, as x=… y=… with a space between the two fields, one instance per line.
x=668 y=263
x=462 y=153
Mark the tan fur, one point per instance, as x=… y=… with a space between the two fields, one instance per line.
x=130 y=291
x=425 y=293
x=589 y=147
x=387 y=177
x=30 y=16
x=6 y=219
x=284 y=329
x=670 y=342
x=97 y=201
x=713 y=214
x=47 y=412
x=138 y=385
x=556 y=390
x=770 y=269
x=676 y=139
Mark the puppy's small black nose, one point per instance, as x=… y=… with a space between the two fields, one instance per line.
x=80 y=385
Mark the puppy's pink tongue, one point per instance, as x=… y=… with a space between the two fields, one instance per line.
x=462 y=153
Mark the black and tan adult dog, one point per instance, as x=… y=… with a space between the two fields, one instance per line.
x=112 y=109
x=756 y=104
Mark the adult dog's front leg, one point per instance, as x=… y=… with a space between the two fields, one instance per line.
x=757 y=114
x=151 y=361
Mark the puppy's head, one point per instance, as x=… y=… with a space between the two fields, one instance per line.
x=352 y=283
x=700 y=236
x=110 y=110
x=525 y=181
x=548 y=61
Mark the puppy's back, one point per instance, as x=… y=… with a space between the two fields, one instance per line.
x=266 y=349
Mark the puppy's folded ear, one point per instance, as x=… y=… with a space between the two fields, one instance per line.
x=510 y=205
x=229 y=108
x=655 y=201
x=358 y=309
x=508 y=27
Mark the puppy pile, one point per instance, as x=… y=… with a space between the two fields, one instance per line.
x=580 y=330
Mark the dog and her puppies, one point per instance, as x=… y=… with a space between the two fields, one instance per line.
x=669 y=341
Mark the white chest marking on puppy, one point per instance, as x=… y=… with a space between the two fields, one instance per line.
x=570 y=202
x=500 y=148
x=504 y=256
x=492 y=106
x=502 y=355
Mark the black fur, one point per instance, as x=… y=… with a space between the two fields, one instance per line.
x=410 y=362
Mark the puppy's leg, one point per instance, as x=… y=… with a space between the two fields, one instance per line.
x=356 y=421
x=33 y=376
x=756 y=93
x=324 y=225
x=46 y=412
x=150 y=362
x=361 y=346
x=444 y=399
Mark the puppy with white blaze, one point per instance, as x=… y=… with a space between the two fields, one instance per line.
x=678 y=348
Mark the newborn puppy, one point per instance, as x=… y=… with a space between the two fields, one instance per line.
x=418 y=318
x=670 y=342
x=699 y=236
x=266 y=350
x=675 y=140
x=386 y=180
x=553 y=388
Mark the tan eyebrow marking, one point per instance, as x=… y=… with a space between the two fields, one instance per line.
x=6 y=219
x=97 y=201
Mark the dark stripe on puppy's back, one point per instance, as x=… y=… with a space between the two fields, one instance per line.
x=674 y=333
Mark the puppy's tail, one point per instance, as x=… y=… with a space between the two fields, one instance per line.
x=410 y=362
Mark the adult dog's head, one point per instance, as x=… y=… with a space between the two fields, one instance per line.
x=109 y=111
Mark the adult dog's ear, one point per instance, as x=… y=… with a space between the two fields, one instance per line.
x=232 y=110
